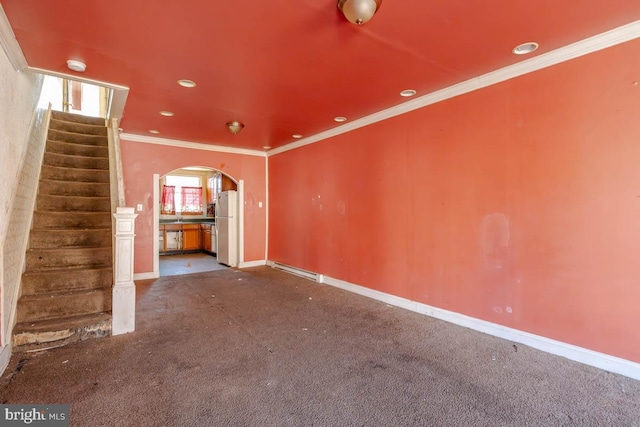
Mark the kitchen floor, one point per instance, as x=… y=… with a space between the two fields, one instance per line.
x=174 y=265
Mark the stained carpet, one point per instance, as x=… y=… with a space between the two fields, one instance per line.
x=260 y=347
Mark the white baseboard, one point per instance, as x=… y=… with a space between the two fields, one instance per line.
x=5 y=357
x=258 y=263
x=145 y=276
x=588 y=357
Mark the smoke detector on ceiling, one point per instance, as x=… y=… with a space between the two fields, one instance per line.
x=77 y=66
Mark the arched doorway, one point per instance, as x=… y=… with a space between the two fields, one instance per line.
x=197 y=230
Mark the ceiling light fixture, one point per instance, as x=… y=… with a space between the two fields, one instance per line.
x=359 y=11
x=525 y=48
x=187 y=83
x=296 y=136
x=77 y=66
x=266 y=147
x=340 y=119
x=153 y=131
x=407 y=93
x=166 y=113
x=234 y=126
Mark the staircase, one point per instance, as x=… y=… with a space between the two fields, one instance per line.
x=66 y=286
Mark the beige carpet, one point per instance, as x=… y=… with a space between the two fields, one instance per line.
x=260 y=347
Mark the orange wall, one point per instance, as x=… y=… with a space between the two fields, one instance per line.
x=140 y=161
x=518 y=204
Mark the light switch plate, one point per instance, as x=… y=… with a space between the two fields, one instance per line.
x=139 y=207
x=259 y=204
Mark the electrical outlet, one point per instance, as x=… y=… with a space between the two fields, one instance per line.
x=259 y=204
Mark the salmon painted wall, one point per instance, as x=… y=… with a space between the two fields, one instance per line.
x=518 y=204
x=140 y=161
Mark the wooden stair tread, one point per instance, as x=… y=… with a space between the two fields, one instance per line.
x=55 y=271
x=63 y=322
x=65 y=293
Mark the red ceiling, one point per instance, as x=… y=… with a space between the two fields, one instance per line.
x=284 y=67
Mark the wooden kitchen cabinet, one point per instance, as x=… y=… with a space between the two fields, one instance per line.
x=217 y=183
x=177 y=237
x=171 y=237
x=227 y=184
x=190 y=237
x=205 y=235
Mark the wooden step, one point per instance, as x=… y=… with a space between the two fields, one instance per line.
x=58 y=258
x=73 y=204
x=60 y=173
x=68 y=279
x=58 y=332
x=78 y=118
x=77 y=127
x=82 y=162
x=60 y=135
x=76 y=149
x=48 y=220
x=64 y=304
x=69 y=238
x=71 y=188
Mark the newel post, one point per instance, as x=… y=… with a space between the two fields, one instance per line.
x=124 y=290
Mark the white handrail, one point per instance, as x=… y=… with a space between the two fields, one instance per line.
x=115 y=166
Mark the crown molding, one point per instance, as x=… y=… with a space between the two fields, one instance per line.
x=10 y=44
x=191 y=145
x=592 y=44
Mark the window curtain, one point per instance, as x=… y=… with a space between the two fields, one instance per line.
x=168 y=200
x=192 y=200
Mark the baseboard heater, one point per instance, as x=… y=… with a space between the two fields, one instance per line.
x=297 y=271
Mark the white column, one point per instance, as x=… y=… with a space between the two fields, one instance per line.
x=124 y=290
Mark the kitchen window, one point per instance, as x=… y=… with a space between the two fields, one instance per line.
x=188 y=194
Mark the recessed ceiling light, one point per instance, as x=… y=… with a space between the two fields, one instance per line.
x=340 y=119
x=407 y=93
x=153 y=131
x=166 y=113
x=296 y=136
x=266 y=147
x=78 y=66
x=187 y=83
x=525 y=48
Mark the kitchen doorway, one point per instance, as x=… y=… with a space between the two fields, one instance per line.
x=186 y=224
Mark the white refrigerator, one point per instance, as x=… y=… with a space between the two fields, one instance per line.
x=227 y=228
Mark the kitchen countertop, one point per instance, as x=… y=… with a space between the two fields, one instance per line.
x=190 y=221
